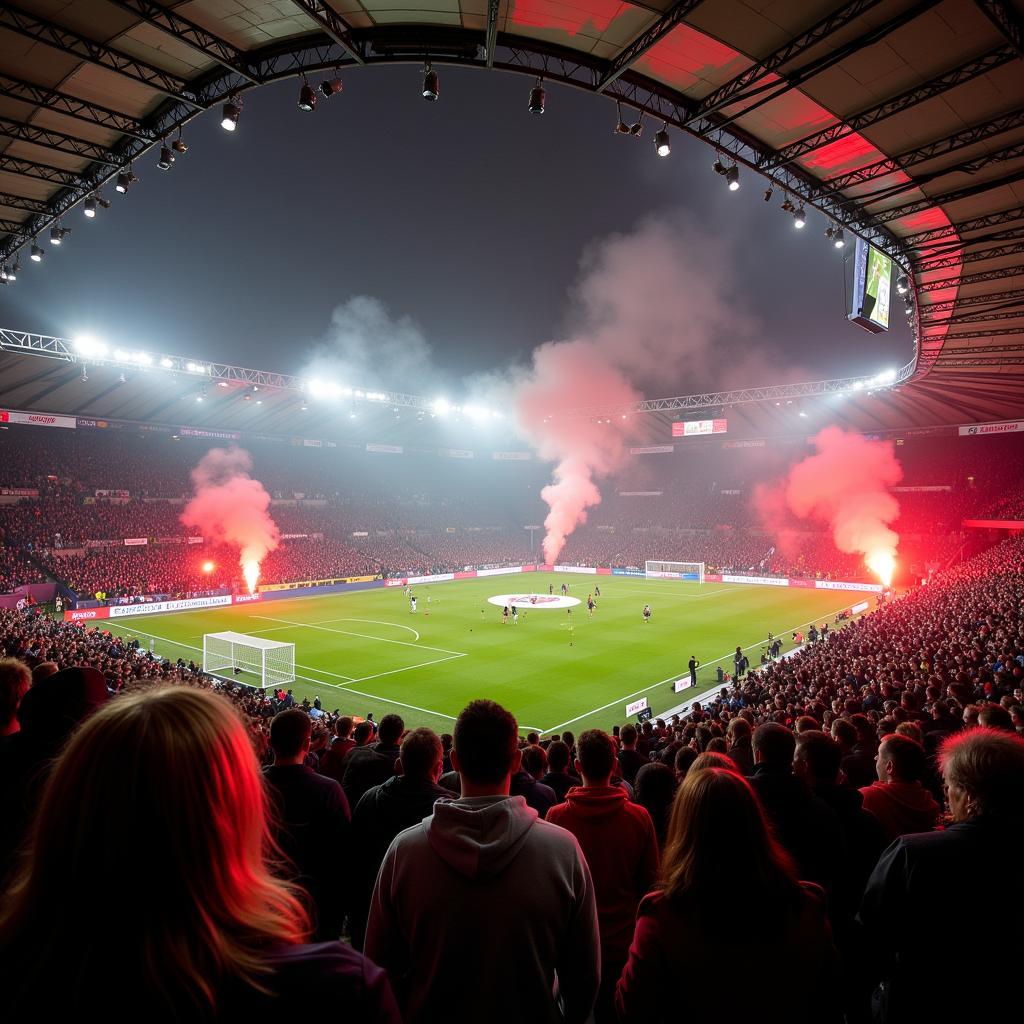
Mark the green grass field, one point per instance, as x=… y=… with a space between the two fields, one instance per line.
x=365 y=651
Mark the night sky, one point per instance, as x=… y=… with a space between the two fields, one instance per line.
x=468 y=216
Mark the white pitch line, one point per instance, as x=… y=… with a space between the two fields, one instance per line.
x=408 y=668
x=676 y=675
x=364 y=636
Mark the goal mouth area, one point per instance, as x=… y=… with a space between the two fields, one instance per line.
x=232 y=656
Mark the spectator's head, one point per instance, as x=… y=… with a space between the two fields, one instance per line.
x=535 y=761
x=911 y=730
x=713 y=759
x=628 y=736
x=806 y=723
x=15 y=679
x=44 y=670
x=900 y=759
x=655 y=789
x=993 y=716
x=532 y=738
x=773 y=745
x=817 y=758
x=718 y=833
x=421 y=756
x=558 y=757
x=192 y=903
x=685 y=756
x=343 y=727
x=595 y=757
x=363 y=733
x=970 y=716
x=290 y=732
x=486 y=748
x=390 y=730
x=736 y=730
x=983 y=770
x=844 y=733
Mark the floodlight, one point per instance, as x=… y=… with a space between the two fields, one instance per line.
x=431 y=85
x=662 y=145
x=89 y=207
x=732 y=176
x=537 y=98
x=838 y=241
x=229 y=116
x=799 y=218
x=37 y=254
x=166 y=158
x=441 y=406
x=330 y=87
x=307 y=98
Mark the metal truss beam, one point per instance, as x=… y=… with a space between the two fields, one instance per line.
x=57 y=141
x=491 y=34
x=650 y=37
x=966 y=279
x=950 y=144
x=1004 y=332
x=990 y=298
x=896 y=212
x=970 y=317
x=989 y=220
x=10 y=226
x=945 y=262
x=71 y=106
x=332 y=24
x=21 y=203
x=72 y=43
x=904 y=101
x=934 y=252
x=976 y=363
x=1009 y=23
x=41 y=172
x=199 y=39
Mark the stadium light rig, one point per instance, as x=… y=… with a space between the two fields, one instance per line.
x=431 y=84
x=662 y=145
x=331 y=86
x=36 y=254
x=230 y=114
x=166 y=158
x=307 y=97
x=537 y=98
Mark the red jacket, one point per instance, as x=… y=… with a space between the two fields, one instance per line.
x=902 y=807
x=619 y=842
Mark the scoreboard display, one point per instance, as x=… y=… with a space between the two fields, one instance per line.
x=872 y=280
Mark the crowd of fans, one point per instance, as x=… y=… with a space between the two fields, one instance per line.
x=832 y=819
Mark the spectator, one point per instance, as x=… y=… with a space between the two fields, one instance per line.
x=718 y=834
x=630 y=760
x=558 y=776
x=737 y=735
x=619 y=842
x=332 y=761
x=15 y=679
x=858 y=767
x=685 y=756
x=375 y=763
x=385 y=810
x=804 y=824
x=163 y=866
x=898 y=800
x=992 y=716
x=312 y=820
x=484 y=905
x=655 y=790
x=983 y=770
x=526 y=782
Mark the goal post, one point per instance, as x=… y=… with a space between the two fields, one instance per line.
x=674 y=571
x=272 y=661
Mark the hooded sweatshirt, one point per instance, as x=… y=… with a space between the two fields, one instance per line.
x=478 y=908
x=902 y=807
x=621 y=847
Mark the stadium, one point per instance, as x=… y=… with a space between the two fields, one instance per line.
x=546 y=535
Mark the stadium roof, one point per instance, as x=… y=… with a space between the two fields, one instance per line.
x=903 y=122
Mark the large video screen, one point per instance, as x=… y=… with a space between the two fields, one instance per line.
x=872 y=280
x=694 y=428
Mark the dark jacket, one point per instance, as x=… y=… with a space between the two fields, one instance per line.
x=859 y=767
x=538 y=796
x=630 y=762
x=742 y=752
x=367 y=766
x=383 y=812
x=905 y=917
x=561 y=783
x=312 y=828
x=805 y=825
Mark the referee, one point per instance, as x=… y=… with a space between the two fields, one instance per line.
x=692 y=666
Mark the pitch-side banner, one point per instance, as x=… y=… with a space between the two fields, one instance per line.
x=119 y=611
x=575 y=568
x=636 y=707
x=977 y=429
x=870 y=588
x=696 y=428
x=653 y=449
x=512 y=456
x=385 y=449
x=37 y=419
x=764 y=581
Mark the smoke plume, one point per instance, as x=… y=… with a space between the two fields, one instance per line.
x=231 y=507
x=846 y=486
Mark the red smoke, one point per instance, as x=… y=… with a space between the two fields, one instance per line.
x=846 y=486
x=230 y=506
x=568 y=376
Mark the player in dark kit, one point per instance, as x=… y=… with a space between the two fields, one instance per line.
x=647 y=614
x=692 y=666
x=590 y=605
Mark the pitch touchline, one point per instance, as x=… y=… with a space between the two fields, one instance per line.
x=676 y=675
x=345 y=632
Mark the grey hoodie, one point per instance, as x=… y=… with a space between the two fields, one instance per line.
x=478 y=908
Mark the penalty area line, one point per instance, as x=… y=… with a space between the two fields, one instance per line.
x=346 y=632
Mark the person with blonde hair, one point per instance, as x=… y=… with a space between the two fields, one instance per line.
x=147 y=886
x=718 y=840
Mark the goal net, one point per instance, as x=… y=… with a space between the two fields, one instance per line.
x=674 y=571
x=271 y=661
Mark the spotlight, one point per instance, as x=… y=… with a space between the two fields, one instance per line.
x=58 y=234
x=718 y=167
x=330 y=87
x=537 y=97
x=89 y=207
x=3 y=274
x=838 y=241
x=431 y=85
x=621 y=128
x=230 y=115
x=829 y=232
x=12 y=271
x=125 y=180
x=902 y=284
x=104 y=203
x=37 y=254
x=768 y=194
x=179 y=145
x=732 y=176
x=662 y=145
x=166 y=158
x=799 y=218
x=85 y=375
x=636 y=129
x=307 y=98
x=787 y=206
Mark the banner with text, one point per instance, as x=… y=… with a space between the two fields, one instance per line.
x=697 y=428
x=37 y=419
x=1005 y=427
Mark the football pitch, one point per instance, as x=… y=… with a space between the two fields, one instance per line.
x=366 y=651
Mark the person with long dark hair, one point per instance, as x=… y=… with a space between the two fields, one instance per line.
x=147 y=888
x=728 y=900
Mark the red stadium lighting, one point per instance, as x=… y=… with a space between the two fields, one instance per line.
x=208 y=567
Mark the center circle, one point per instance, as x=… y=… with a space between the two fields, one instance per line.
x=546 y=602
